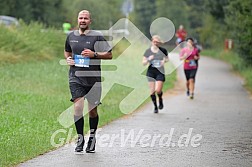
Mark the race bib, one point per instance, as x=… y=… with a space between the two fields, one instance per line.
x=192 y=63
x=156 y=63
x=81 y=61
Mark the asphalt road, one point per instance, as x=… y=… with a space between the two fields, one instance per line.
x=214 y=129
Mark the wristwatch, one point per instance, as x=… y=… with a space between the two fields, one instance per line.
x=95 y=54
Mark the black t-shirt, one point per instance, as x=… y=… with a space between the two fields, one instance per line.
x=76 y=43
x=158 y=57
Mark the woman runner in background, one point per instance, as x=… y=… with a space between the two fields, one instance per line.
x=190 y=55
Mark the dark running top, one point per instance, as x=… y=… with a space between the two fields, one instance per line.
x=75 y=43
x=158 y=57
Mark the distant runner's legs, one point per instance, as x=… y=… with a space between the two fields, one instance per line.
x=153 y=95
x=187 y=88
x=191 y=87
x=159 y=87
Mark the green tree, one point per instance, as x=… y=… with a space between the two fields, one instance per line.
x=173 y=10
x=176 y=12
x=217 y=9
x=239 y=21
x=145 y=12
x=51 y=13
x=229 y=19
x=196 y=13
x=207 y=21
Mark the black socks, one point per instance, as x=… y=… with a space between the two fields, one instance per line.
x=154 y=100
x=161 y=105
x=79 y=124
x=160 y=96
x=93 y=123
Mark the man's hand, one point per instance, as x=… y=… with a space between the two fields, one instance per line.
x=87 y=53
x=70 y=61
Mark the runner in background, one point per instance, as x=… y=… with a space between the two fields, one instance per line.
x=156 y=57
x=66 y=27
x=181 y=35
x=190 y=55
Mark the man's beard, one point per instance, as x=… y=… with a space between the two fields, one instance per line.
x=83 y=29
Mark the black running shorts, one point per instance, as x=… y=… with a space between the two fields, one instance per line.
x=155 y=75
x=190 y=74
x=91 y=93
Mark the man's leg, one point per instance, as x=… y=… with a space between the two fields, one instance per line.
x=79 y=123
x=93 y=98
x=93 y=124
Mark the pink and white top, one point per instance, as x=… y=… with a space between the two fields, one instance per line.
x=190 y=63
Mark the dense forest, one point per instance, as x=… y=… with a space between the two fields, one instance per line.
x=210 y=21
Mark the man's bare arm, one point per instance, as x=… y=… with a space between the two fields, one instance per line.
x=68 y=56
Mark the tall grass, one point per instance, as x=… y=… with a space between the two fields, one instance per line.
x=29 y=42
x=34 y=91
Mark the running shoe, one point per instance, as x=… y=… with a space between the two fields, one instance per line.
x=91 y=145
x=192 y=96
x=80 y=143
x=161 y=105
x=156 y=110
x=187 y=93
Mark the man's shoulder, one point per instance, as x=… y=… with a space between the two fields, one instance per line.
x=95 y=33
x=73 y=33
x=90 y=33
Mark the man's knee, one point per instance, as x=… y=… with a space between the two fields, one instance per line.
x=93 y=112
x=78 y=107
